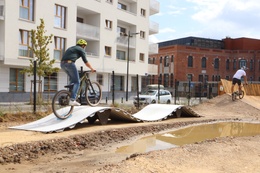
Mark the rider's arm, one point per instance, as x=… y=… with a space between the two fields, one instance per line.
x=89 y=66
x=245 y=79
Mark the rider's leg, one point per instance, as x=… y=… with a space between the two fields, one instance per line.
x=232 y=89
x=73 y=74
x=74 y=78
x=233 y=84
x=239 y=86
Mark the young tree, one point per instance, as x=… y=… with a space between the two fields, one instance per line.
x=39 y=43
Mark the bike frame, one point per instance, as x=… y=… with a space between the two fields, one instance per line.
x=87 y=81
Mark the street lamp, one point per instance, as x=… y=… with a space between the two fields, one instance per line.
x=127 y=62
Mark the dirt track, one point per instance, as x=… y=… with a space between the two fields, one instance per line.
x=90 y=148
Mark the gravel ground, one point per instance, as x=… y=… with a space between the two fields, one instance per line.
x=91 y=148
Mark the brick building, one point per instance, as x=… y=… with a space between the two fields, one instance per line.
x=204 y=60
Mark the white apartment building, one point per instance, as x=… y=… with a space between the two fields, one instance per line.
x=105 y=24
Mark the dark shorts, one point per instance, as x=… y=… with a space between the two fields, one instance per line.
x=235 y=80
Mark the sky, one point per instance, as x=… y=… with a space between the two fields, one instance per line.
x=213 y=19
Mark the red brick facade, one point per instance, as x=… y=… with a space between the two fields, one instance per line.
x=207 y=64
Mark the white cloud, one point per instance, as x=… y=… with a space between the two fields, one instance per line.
x=208 y=18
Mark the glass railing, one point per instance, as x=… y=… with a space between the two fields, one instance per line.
x=154 y=27
x=123 y=41
x=152 y=69
x=154 y=7
x=153 y=48
x=88 y=31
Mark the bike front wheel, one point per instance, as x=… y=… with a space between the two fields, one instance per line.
x=241 y=94
x=234 y=95
x=60 y=104
x=93 y=93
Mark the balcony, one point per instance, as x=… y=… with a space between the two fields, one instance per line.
x=88 y=31
x=154 y=7
x=153 y=48
x=153 y=28
x=123 y=41
x=152 y=69
x=130 y=7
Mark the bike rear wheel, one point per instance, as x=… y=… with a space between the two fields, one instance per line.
x=241 y=95
x=93 y=93
x=60 y=104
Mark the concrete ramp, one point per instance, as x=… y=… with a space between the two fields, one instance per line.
x=155 y=112
x=81 y=114
x=51 y=123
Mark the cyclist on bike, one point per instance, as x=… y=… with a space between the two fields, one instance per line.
x=237 y=79
x=68 y=65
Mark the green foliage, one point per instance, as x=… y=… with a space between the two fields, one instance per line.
x=40 y=51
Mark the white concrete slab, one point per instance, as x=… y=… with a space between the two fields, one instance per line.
x=153 y=112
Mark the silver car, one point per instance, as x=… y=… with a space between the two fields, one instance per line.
x=151 y=96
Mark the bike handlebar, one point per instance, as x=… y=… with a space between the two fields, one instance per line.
x=87 y=71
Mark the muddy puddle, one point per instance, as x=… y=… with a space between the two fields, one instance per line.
x=191 y=135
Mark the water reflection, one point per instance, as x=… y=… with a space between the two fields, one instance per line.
x=191 y=135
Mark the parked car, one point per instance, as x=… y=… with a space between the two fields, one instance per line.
x=151 y=96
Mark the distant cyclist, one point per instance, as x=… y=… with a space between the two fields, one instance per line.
x=68 y=65
x=237 y=78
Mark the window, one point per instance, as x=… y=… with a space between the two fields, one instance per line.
x=27 y=9
x=234 y=64
x=100 y=79
x=189 y=77
x=121 y=6
x=166 y=80
x=200 y=78
x=24 y=43
x=142 y=34
x=121 y=30
x=119 y=83
x=227 y=64
x=134 y=83
x=227 y=77
x=143 y=12
x=203 y=62
x=161 y=60
x=108 y=24
x=172 y=58
x=59 y=16
x=59 y=47
x=242 y=63
x=109 y=1
x=80 y=20
x=172 y=80
x=50 y=82
x=251 y=66
x=141 y=56
x=16 y=83
x=108 y=51
x=150 y=60
x=166 y=61
x=216 y=63
x=190 y=61
x=120 y=55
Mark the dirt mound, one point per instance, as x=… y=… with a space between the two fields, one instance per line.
x=88 y=148
x=223 y=106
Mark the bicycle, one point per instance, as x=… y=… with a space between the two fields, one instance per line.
x=235 y=95
x=90 y=89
